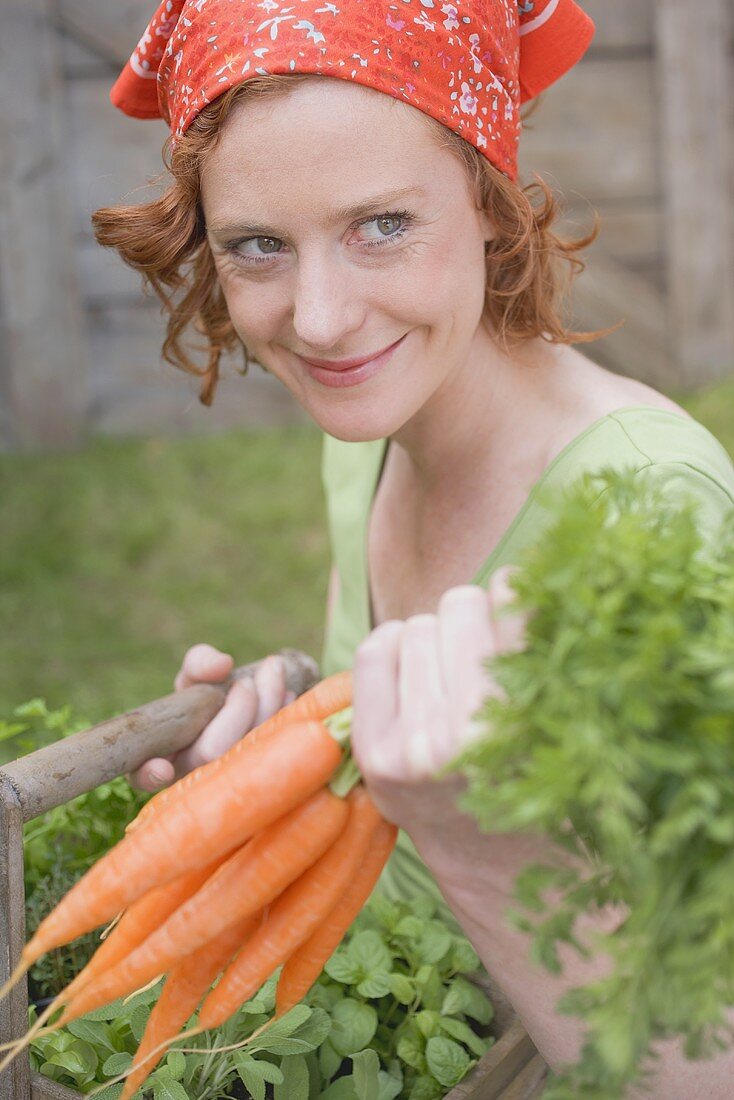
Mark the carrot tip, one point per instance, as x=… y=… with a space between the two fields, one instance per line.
x=22 y=968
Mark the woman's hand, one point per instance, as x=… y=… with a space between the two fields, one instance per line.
x=248 y=703
x=417 y=685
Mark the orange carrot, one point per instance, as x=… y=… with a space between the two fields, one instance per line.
x=185 y=986
x=250 y=879
x=140 y=920
x=296 y=914
x=277 y=775
x=327 y=697
x=304 y=966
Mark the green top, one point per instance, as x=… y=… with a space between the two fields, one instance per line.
x=682 y=455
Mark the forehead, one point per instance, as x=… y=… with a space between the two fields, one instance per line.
x=326 y=134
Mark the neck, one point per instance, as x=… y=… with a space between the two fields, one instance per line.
x=485 y=410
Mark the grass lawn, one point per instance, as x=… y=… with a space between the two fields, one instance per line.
x=115 y=559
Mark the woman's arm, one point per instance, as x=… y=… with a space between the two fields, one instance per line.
x=417 y=684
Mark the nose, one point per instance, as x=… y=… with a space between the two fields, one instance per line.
x=329 y=304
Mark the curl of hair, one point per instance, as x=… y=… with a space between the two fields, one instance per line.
x=165 y=241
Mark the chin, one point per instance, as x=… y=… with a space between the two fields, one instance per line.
x=357 y=425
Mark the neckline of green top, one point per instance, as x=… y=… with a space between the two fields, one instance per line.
x=489 y=563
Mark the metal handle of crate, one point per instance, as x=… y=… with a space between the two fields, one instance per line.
x=72 y=766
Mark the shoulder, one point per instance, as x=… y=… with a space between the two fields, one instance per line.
x=684 y=460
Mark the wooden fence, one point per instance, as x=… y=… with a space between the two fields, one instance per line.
x=642 y=131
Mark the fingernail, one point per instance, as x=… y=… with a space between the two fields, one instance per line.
x=158 y=778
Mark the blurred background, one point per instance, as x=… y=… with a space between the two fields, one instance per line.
x=136 y=522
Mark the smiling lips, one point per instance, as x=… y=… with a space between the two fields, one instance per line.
x=341 y=373
x=347 y=364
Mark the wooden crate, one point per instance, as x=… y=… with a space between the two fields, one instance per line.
x=511 y=1070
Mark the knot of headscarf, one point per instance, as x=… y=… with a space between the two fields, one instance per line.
x=468 y=63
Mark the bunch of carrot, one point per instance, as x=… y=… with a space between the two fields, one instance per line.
x=246 y=864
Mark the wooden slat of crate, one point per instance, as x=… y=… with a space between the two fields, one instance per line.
x=42 y=1088
x=595 y=131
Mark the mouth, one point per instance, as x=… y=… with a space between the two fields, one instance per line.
x=340 y=373
x=348 y=364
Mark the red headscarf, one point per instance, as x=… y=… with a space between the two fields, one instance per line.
x=468 y=63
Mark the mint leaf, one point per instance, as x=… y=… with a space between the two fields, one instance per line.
x=388 y=1086
x=426 y=1088
x=464 y=958
x=435 y=941
x=341 y=968
x=386 y=912
x=402 y=988
x=461 y=1031
x=447 y=1061
x=368 y=952
x=354 y=1025
x=465 y=997
x=329 y=1060
x=343 y=1089
x=376 y=985
x=411 y=1047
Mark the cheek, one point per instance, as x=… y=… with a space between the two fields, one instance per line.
x=446 y=281
x=252 y=307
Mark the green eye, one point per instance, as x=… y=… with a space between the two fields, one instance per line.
x=268 y=244
x=387 y=225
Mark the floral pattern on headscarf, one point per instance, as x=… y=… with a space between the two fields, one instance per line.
x=468 y=64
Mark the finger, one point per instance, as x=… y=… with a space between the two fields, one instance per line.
x=228 y=726
x=376 y=667
x=424 y=713
x=270 y=687
x=203 y=664
x=508 y=625
x=153 y=774
x=466 y=640
x=421 y=682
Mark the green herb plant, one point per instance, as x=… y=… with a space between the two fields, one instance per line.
x=394 y=1015
x=61 y=845
x=615 y=737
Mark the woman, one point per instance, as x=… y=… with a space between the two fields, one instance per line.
x=355 y=223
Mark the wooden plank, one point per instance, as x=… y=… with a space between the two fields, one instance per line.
x=695 y=89
x=622 y=25
x=632 y=230
x=595 y=132
x=530 y=1081
x=112 y=156
x=59 y=772
x=15 y=1081
x=41 y=338
x=110 y=30
x=498 y=1067
x=42 y=1088
x=606 y=293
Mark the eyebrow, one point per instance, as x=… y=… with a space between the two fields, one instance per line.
x=334 y=217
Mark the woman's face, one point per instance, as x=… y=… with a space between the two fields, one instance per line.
x=340 y=228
